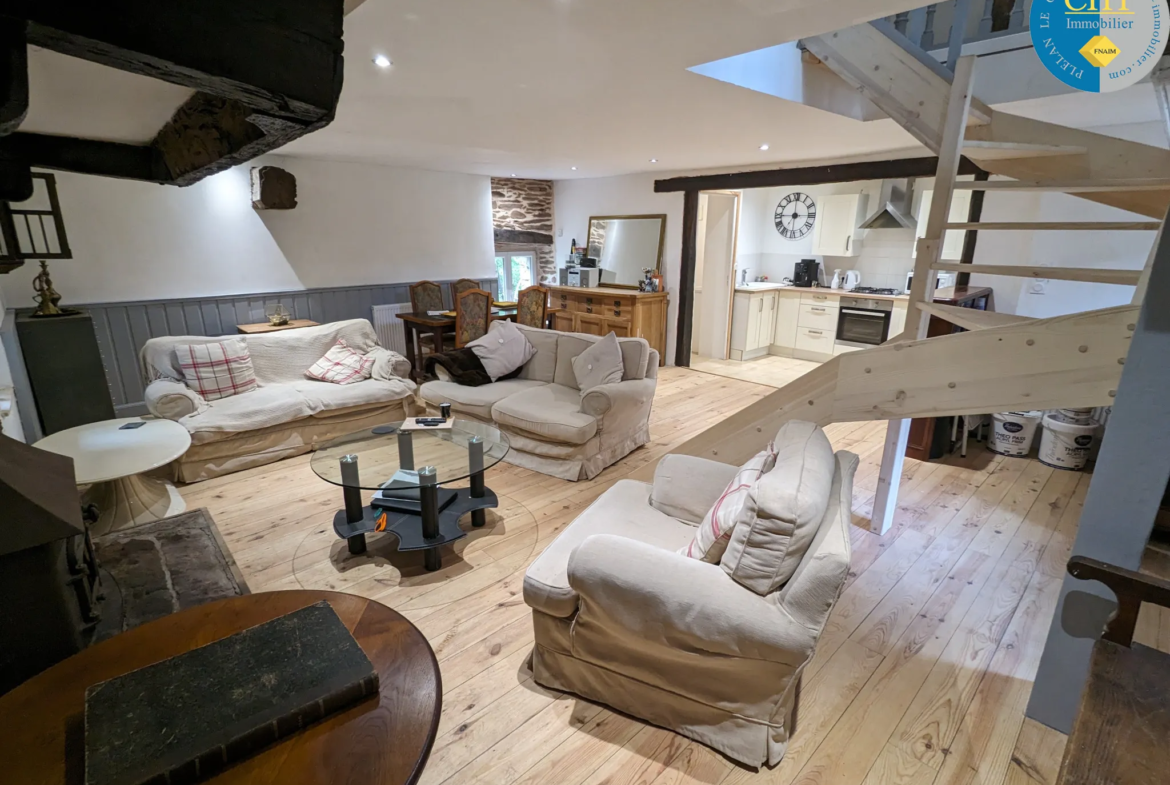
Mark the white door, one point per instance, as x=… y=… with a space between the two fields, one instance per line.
x=718 y=262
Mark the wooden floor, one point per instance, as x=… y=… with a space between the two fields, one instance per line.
x=770 y=370
x=922 y=674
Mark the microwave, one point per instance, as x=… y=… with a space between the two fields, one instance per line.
x=943 y=281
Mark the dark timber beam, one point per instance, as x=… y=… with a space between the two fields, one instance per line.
x=13 y=76
x=686 y=279
x=106 y=159
x=16 y=182
x=279 y=56
x=523 y=237
x=897 y=168
x=266 y=72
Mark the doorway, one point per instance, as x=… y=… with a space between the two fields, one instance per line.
x=717 y=230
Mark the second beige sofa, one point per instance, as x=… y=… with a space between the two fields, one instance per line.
x=551 y=426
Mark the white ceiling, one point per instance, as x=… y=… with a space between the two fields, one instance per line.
x=536 y=87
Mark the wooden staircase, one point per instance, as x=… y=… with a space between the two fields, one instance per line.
x=1004 y=362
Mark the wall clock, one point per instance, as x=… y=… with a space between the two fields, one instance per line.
x=795 y=216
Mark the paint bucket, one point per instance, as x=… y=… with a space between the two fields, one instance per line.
x=1075 y=416
x=1066 y=445
x=1012 y=432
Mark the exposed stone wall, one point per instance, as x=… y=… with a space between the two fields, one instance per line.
x=526 y=206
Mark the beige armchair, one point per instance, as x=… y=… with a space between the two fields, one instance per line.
x=712 y=651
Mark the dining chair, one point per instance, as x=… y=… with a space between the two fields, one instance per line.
x=461 y=286
x=473 y=314
x=427 y=296
x=532 y=307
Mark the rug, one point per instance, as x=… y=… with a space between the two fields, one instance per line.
x=158 y=568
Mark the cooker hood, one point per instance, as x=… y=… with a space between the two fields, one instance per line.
x=895 y=207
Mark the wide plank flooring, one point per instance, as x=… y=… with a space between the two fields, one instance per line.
x=921 y=676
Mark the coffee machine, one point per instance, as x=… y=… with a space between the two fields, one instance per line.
x=807 y=273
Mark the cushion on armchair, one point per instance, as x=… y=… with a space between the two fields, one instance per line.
x=715 y=530
x=782 y=511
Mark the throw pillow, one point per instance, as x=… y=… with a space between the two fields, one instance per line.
x=600 y=364
x=342 y=365
x=783 y=511
x=714 y=532
x=217 y=370
x=503 y=350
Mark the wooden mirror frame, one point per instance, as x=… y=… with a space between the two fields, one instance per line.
x=661 y=242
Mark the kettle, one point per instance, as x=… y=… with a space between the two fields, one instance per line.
x=852 y=279
x=836 y=284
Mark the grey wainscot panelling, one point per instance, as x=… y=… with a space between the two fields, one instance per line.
x=123 y=328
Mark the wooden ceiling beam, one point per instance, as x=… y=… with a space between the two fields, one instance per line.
x=13 y=76
x=266 y=72
x=279 y=56
x=894 y=169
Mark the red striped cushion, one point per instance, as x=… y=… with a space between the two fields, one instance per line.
x=342 y=365
x=713 y=534
x=217 y=370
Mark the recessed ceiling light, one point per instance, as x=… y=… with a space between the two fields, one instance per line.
x=573 y=168
x=653 y=160
x=764 y=146
x=382 y=61
x=513 y=174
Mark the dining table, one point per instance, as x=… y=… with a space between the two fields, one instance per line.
x=438 y=324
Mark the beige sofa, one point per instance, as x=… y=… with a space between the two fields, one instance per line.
x=712 y=651
x=551 y=427
x=288 y=414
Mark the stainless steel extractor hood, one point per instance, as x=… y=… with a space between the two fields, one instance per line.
x=895 y=207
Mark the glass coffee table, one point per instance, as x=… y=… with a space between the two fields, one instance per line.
x=407 y=470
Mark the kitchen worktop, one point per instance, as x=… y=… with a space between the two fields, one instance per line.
x=771 y=287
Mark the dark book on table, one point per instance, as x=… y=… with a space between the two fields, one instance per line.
x=184 y=719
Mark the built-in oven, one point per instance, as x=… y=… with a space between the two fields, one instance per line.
x=864 y=322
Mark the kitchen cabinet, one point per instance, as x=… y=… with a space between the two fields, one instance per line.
x=960 y=211
x=626 y=312
x=838 y=216
x=898 y=318
x=784 y=328
x=753 y=324
x=816 y=326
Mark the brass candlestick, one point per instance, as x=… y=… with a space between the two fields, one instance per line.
x=47 y=297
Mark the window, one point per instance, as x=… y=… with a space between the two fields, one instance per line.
x=515 y=271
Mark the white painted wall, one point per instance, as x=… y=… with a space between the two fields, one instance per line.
x=576 y=200
x=1103 y=250
x=11 y=422
x=354 y=224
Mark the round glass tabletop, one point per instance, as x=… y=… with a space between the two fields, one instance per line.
x=375 y=458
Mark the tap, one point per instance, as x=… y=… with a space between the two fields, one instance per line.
x=743 y=276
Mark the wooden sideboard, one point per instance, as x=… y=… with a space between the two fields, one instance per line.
x=626 y=312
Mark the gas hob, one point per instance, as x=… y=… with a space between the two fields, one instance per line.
x=872 y=290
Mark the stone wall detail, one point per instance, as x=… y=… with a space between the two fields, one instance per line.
x=522 y=216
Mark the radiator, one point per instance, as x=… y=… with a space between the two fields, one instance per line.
x=389 y=327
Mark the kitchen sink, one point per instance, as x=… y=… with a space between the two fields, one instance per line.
x=760 y=285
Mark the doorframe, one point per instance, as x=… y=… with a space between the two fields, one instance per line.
x=690 y=187
x=738 y=195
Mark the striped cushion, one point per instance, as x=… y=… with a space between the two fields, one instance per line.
x=217 y=370
x=342 y=365
x=714 y=532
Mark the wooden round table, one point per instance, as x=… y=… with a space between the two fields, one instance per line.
x=382 y=742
